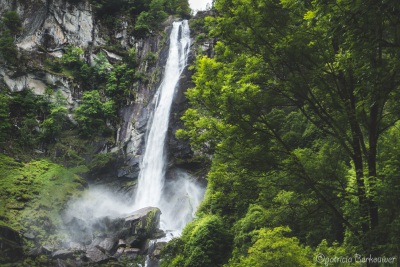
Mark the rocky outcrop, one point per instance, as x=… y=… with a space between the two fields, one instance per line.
x=179 y=149
x=38 y=81
x=107 y=239
x=48 y=28
x=10 y=244
x=54 y=24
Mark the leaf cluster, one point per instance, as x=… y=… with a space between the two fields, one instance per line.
x=297 y=109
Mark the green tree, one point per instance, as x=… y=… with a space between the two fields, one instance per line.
x=119 y=83
x=92 y=114
x=52 y=126
x=102 y=67
x=12 y=22
x=10 y=26
x=131 y=59
x=73 y=58
x=178 y=7
x=8 y=50
x=106 y=7
x=151 y=19
x=205 y=243
x=273 y=248
x=293 y=84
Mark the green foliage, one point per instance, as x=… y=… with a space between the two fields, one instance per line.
x=54 y=65
x=101 y=160
x=173 y=7
x=53 y=124
x=102 y=66
x=199 y=28
x=151 y=19
x=73 y=58
x=33 y=194
x=204 y=242
x=89 y=77
x=25 y=108
x=5 y=123
x=298 y=109
x=180 y=8
x=158 y=11
x=35 y=126
x=119 y=83
x=12 y=22
x=226 y=190
x=30 y=120
x=151 y=57
x=8 y=50
x=103 y=7
x=273 y=248
x=131 y=58
x=10 y=25
x=245 y=229
x=92 y=114
x=324 y=252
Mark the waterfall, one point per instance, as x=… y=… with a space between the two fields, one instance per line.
x=152 y=169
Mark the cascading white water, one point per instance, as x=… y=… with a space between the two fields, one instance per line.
x=152 y=170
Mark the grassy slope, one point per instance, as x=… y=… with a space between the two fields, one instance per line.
x=33 y=194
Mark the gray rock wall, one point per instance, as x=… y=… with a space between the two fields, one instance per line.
x=54 y=24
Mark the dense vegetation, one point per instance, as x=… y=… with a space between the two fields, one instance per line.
x=10 y=25
x=33 y=195
x=299 y=109
x=148 y=15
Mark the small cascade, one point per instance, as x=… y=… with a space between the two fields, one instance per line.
x=177 y=199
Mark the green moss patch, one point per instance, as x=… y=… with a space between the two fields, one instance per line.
x=33 y=194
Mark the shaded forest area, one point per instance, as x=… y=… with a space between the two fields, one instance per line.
x=299 y=109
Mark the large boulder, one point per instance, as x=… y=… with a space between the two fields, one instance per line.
x=114 y=237
x=144 y=222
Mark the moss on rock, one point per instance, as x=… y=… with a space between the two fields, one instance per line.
x=32 y=196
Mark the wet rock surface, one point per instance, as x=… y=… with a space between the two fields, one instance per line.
x=126 y=236
x=62 y=254
x=10 y=244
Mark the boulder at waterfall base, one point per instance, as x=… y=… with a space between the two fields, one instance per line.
x=126 y=236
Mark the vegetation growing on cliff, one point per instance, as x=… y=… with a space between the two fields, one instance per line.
x=10 y=26
x=33 y=196
x=148 y=15
x=299 y=108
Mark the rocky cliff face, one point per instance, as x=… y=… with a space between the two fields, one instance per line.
x=49 y=27
x=52 y=24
